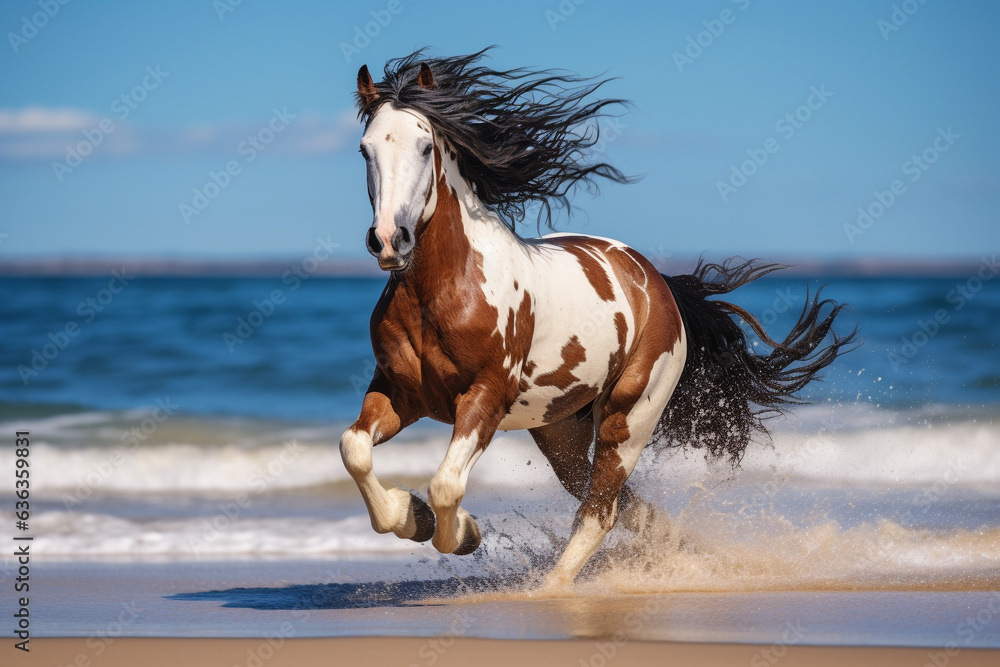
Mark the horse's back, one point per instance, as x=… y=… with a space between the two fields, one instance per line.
x=592 y=299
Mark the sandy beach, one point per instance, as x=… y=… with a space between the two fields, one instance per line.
x=283 y=613
x=482 y=652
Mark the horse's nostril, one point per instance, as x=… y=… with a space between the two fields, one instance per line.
x=404 y=237
x=373 y=242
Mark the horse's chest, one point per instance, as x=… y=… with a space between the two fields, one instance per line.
x=436 y=362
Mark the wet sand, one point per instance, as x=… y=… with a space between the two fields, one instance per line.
x=111 y=609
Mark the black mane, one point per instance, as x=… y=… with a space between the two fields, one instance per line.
x=522 y=135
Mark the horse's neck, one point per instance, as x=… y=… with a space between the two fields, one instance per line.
x=461 y=236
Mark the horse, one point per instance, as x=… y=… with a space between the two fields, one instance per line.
x=578 y=339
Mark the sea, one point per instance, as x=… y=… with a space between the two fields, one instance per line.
x=197 y=419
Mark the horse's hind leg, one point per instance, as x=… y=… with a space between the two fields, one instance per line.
x=624 y=424
x=566 y=446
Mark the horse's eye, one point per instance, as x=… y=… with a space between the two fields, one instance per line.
x=428 y=149
x=364 y=152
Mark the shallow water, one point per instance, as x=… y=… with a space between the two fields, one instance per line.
x=336 y=597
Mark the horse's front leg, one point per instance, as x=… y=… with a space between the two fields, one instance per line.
x=476 y=419
x=383 y=415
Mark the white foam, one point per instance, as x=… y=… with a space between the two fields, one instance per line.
x=82 y=535
x=180 y=467
x=965 y=454
x=224 y=459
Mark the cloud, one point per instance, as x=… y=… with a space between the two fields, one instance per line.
x=46 y=134
x=320 y=135
x=38 y=120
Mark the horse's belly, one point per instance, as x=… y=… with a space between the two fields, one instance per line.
x=528 y=410
x=552 y=392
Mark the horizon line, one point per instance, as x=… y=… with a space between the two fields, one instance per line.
x=237 y=267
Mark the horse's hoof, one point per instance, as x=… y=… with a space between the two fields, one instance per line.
x=423 y=517
x=470 y=538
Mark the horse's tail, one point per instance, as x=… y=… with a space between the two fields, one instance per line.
x=726 y=389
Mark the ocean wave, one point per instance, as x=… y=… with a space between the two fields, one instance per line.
x=83 y=472
x=226 y=458
x=226 y=534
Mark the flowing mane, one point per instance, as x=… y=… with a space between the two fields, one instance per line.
x=522 y=135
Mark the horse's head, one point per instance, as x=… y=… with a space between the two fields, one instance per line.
x=398 y=147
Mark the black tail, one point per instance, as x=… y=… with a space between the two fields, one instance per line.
x=726 y=390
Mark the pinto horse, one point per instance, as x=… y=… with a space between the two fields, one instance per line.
x=578 y=339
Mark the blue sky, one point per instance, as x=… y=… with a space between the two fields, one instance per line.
x=199 y=81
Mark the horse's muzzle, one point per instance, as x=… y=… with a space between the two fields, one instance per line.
x=395 y=256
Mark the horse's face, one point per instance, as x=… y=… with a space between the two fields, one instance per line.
x=398 y=148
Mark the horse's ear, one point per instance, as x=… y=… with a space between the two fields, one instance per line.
x=425 y=79
x=366 y=87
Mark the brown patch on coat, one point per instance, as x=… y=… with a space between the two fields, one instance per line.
x=514 y=319
x=569 y=402
x=617 y=357
x=614 y=428
x=592 y=268
x=607 y=478
x=385 y=411
x=573 y=354
x=529 y=368
x=658 y=329
x=650 y=299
